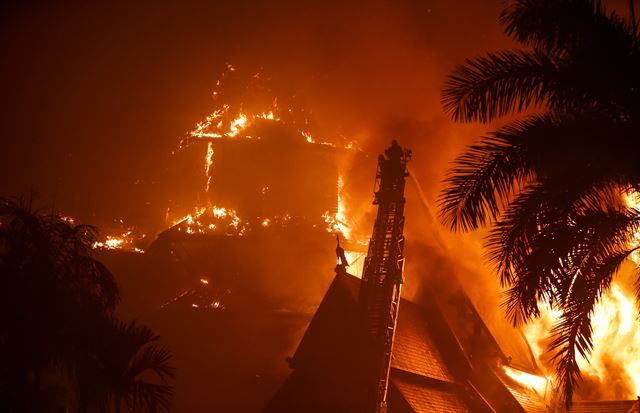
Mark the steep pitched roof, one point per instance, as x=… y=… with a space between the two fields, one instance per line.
x=430 y=398
x=530 y=401
x=431 y=369
x=414 y=349
x=326 y=362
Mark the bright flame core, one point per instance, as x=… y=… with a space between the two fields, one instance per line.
x=537 y=383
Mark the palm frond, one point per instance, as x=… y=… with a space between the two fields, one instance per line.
x=485 y=177
x=572 y=334
x=497 y=85
x=509 y=238
x=539 y=256
x=156 y=359
x=575 y=23
x=151 y=397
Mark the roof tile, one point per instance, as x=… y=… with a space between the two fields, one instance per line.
x=414 y=349
x=425 y=399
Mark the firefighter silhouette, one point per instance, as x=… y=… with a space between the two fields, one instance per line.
x=394 y=152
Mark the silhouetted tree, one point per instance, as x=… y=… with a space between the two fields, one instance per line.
x=121 y=367
x=52 y=287
x=551 y=184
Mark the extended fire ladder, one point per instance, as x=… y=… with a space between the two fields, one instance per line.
x=382 y=275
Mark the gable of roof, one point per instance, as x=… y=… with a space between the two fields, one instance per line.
x=332 y=336
x=327 y=362
x=430 y=369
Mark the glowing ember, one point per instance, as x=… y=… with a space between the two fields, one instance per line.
x=125 y=241
x=112 y=242
x=67 y=219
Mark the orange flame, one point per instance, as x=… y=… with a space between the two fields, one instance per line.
x=537 y=383
x=208 y=163
x=125 y=241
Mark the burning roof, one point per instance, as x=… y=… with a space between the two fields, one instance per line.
x=262 y=165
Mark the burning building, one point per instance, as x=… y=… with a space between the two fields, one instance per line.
x=237 y=279
x=268 y=201
x=369 y=350
x=272 y=208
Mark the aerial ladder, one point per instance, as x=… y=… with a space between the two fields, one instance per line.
x=382 y=276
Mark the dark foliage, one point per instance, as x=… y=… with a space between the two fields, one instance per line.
x=56 y=309
x=551 y=185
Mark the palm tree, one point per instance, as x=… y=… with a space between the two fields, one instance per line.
x=117 y=369
x=550 y=184
x=52 y=287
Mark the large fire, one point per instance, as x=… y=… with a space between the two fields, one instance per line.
x=615 y=360
x=235 y=121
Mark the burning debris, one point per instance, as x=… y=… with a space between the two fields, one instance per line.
x=203 y=296
x=213 y=220
x=117 y=238
x=129 y=240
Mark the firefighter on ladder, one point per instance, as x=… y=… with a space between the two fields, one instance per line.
x=343 y=264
